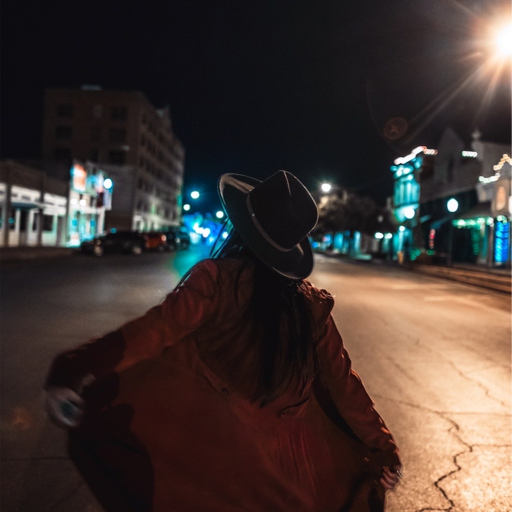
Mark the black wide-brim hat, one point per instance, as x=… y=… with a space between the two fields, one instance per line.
x=274 y=218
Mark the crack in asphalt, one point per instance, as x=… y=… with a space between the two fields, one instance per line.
x=462 y=374
x=453 y=431
x=490 y=367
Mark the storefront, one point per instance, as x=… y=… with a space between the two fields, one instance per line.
x=89 y=197
x=406 y=243
x=33 y=206
x=497 y=190
x=502 y=211
x=40 y=209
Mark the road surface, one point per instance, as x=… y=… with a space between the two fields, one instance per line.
x=433 y=354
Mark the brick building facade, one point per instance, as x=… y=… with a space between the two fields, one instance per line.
x=122 y=131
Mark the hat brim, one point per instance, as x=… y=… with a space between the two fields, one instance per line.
x=294 y=264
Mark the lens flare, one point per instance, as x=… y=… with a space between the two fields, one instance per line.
x=503 y=41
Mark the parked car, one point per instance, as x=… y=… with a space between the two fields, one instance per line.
x=129 y=242
x=177 y=238
x=157 y=241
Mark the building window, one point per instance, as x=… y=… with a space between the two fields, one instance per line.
x=140 y=184
x=95 y=134
x=94 y=155
x=416 y=193
x=449 y=172
x=62 y=154
x=118 y=135
x=408 y=192
x=47 y=222
x=116 y=157
x=97 y=112
x=65 y=110
x=142 y=140
x=63 y=132
x=119 y=113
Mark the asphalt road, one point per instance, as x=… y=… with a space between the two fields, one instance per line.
x=433 y=354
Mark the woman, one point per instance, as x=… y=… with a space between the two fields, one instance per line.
x=234 y=394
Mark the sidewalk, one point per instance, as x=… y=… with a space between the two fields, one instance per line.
x=32 y=253
x=493 y=279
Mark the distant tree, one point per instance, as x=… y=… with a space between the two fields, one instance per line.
x=381 y=220
x=346 y=211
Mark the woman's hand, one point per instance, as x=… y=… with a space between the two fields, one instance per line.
x=390 y=477
x=64 y=406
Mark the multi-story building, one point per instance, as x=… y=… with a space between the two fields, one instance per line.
x=405 y=201
x=456 y=201
x=124 y=133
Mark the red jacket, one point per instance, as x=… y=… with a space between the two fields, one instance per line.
x=169 y=427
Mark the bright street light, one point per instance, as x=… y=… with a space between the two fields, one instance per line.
x=326 y=187
x=378 y=235
x=452 y=205
x=107 y=184
x=503 y=41
x=195 y=194
x=186 y=207
x=409 y=212
x=219 y=214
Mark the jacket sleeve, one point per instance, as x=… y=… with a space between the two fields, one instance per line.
x=189 y=307
x=350 y=397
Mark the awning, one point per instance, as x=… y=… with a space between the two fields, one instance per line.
x=438 y=223
x=479 y=210
x=18 y=205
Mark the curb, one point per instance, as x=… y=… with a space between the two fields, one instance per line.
x=10 y=254
x=477 y=277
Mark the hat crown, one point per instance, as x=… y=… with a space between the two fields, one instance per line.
x=283 y=210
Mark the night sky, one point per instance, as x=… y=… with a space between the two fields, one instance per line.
x=255 y=87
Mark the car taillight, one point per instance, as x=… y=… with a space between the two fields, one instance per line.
x=163 y=238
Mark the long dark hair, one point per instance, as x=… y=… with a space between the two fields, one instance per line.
x=280 y=313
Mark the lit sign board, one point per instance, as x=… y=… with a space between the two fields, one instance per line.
x=79 y=177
